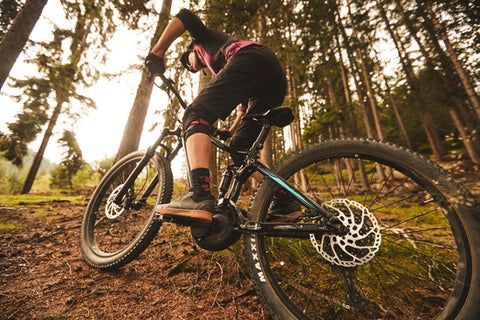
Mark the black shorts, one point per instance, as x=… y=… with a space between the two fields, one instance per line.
x=254 y=77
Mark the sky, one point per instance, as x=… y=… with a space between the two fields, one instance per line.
x=100 y=131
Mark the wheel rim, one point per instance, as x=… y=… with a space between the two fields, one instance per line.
x=112 y=228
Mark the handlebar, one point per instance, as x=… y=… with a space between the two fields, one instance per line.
x=168 y=86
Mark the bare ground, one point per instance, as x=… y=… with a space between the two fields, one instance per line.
x=43 y=275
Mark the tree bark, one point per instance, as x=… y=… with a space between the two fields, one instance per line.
x=367 y=80
x=136 y=119
x=428 y=124
x=37 y=160
x=353 y=69
x=463 y=120
x=467 y=85
x=467 y=142
x=360 y=93
x=403 y=131
x=266 y=152
x=17 y=35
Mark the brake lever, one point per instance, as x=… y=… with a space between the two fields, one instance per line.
x=214 y=132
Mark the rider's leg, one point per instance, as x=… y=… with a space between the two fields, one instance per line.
x=199 y=148
x=199 y=151
x=198 y=204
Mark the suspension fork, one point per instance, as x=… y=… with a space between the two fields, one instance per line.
x=138 y=168
x=151 y=186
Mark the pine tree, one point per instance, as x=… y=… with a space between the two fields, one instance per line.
x=17 y=35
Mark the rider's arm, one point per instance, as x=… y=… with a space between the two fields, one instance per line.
x=174 y=29
x=184 y=20
x=198 y=31
x=236 y=123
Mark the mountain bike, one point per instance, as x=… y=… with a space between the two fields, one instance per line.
x=384 y=233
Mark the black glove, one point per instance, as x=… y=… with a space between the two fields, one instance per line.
x=224 y=134
x=154 y=64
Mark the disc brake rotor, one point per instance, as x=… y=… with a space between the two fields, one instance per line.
x=362 y=241
x=113 y=210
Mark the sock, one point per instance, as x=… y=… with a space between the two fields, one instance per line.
x=281 y=192
x=201 y=184
x=284 y=196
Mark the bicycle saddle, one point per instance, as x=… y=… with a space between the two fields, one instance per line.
x=278 y=116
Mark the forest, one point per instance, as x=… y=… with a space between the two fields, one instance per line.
x=402 y=71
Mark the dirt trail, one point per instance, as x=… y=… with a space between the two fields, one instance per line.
x=43 y=275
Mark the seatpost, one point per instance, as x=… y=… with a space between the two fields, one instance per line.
x=258 y=144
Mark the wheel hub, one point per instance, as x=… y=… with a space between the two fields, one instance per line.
x=113 y=210
x=359 y=245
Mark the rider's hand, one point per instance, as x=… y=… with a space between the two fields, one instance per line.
x=154 y=64
x=224 y=134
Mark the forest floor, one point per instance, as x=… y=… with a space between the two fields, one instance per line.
x=43 y=274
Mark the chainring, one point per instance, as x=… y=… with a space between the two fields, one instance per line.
x=359 y=245
x=222 y=233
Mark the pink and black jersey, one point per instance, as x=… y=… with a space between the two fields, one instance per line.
x=213 y=46
x=246 y=73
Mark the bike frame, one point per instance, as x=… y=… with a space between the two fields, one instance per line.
x=330 y=224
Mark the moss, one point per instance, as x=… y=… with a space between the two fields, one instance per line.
x=7 y=227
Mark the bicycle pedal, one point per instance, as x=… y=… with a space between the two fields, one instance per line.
x=188 y=218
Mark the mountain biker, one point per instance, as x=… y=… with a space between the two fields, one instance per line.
x=246 y=73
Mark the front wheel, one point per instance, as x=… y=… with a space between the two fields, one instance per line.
x=410 y=252
x=113 y=235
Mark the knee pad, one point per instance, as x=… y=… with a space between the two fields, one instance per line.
x=197 y=119
x=196 y=126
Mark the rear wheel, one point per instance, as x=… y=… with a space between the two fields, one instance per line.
x=410 y=252
x=113 y=235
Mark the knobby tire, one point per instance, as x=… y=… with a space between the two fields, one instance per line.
x=112 y=236
x=426 y=265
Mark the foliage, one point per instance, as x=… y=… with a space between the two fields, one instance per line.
x=339 y=56
x=8 y=11
x=63 y=173
x=30 y=120
x=11 y=177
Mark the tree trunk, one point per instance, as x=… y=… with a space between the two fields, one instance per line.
x=459 y=111
x=136 y=119
x=61 y=95
x=467 y=85
x=368 y=83
x=360 y=93
x=403 y=131
x=467 y=142
x=32 y=172
x=429 y=127
x=353 y=69
x=17 y=35
x=134 y=127
x=463 y=120
x=266 y=152
x=346 y=89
